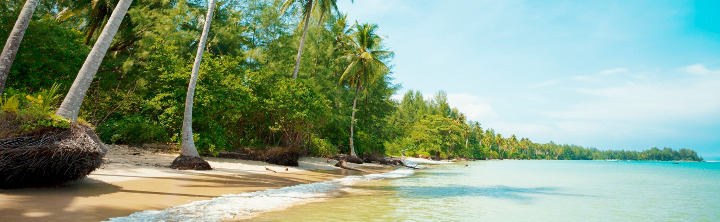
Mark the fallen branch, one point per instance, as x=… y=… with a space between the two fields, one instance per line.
x=268 y=169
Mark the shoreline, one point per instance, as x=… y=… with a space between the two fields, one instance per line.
x=133 y=180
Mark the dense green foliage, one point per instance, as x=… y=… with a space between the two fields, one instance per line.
x=245 y=95
x=26 y=114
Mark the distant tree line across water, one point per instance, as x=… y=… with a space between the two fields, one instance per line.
x=272 y=75
x=430 y=128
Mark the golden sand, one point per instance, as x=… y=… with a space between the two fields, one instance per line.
x=134 y=180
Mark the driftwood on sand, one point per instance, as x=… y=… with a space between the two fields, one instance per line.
x=349 y=159
x=343 y=164
x=275 y=155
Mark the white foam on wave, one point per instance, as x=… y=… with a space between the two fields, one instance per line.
x=249 y=205
x=416 y=161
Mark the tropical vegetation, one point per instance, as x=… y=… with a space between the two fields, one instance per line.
x=267 y=79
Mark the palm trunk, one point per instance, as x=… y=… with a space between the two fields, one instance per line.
x=13 y=42
x=188 y=144
x=308 y=13
x=70 y=107
x=352 y=123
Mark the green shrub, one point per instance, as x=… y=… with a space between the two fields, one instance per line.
x=322 y=147
x=24 y=122
x=133 y=130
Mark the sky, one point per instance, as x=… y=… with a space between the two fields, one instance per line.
x=606 y=74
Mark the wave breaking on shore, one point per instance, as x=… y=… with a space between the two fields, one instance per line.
x=248 y=205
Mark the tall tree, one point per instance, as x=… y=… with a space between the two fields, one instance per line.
x=189 y=151
x=70 y=107
x=94 y=13
x=13 y=42
x=325 y=6
x=366 y=65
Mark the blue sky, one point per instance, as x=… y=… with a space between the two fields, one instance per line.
x=605 y=74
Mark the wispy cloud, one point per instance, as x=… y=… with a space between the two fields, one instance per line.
x=700 y=69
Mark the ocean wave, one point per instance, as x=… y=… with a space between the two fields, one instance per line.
x=248 y=205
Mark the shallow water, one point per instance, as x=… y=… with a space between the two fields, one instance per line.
x=248 y=205
x=528 y=191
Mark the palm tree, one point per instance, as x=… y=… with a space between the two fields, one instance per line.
x=70 y=107
x=189 y=152
x=341 y=30
x=366 y=65
x=94 y=12
x=325 y=6
x=13 y=42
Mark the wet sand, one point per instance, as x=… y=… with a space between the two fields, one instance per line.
x=136 y=180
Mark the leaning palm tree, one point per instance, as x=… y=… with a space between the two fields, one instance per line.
x=366 y=65
x=69 y=154
x=13 y=42
x=189 y=158
x=325 y=6
x=70 y=107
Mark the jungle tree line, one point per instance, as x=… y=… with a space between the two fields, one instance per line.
x=268 y=78
x=244 y=96
x=431 y=128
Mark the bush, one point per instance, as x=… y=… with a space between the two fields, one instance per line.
x=133 y=130
x=322 y=148
x=49 y=53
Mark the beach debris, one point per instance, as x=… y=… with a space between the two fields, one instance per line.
x=183 y=162
x=282 y=156
x=276 y=155
x=268 y=169
x=369 y=158
x=50 y=156
x=349 y=158
x=343 y=164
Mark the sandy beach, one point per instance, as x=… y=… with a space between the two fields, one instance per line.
x=133 y=179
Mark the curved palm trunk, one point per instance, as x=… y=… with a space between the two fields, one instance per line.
x=302 y=40
x=70 y=107
x=352 y=122
x=13 y=42
x=188 y=144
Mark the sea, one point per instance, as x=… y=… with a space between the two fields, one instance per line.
x=507 y=190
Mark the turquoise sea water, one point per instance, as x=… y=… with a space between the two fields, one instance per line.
x=528 y=191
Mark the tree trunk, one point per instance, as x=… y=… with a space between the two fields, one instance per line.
x=308 y=13
x=352 y=123
x=13 y=42
x=188 y=144
x=70 y=107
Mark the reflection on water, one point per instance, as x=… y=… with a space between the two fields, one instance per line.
x=504 y=192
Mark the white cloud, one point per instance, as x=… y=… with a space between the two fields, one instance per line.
x=649 y=100
x=474 y=107
x=647 y=103
x=641 y=112
x=524 y=130
x=397 y=97
x=700 y=69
